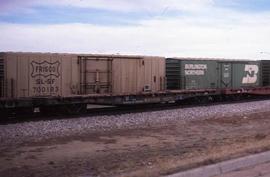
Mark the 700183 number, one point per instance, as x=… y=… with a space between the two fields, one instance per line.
x=46 y=90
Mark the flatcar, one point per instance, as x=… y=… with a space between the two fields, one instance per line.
x=41 y=82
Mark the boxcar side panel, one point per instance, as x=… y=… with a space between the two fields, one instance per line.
x=162 y=74
x=140 y=75
x=246 y=74
x=11 y=75
x=265 y=72
x=35 y=75
x=22 y=79
x=45 y=76
x=148 y=75
x=75 y=75
x=199 y=74
x=95 y=73
x=155 y=74
x=116 y=76
x=67 y=74
x=131 y=80
x=2 y=75
x=158 y=74
x=125 y=81
x=135 y=75
x=124 y=75
x=173 y=74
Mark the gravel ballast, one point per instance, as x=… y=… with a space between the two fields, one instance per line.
x=35 y=131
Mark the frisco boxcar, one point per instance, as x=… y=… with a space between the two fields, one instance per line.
x=42 y=81
x=65 y=75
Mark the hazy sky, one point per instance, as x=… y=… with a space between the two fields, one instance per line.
x=184 y=28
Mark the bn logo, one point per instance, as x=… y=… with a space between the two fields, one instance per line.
x=251 y=74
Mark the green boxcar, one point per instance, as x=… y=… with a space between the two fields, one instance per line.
x=191 y=74
x=188 y=73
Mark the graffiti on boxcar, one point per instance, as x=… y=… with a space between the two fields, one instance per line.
x=251 y=74
x=45 y=76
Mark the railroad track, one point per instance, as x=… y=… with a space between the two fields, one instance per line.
x=127 y=109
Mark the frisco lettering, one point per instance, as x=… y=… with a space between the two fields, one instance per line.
x=45 y=69
x=47 y=81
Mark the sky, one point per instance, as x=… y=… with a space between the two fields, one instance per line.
x=235 y=29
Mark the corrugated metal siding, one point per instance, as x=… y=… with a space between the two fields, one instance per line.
x=246 y=74
x=35 y=74
x=138 y=75
x=2 y=76
x=265 y=72
x=191 y=74
x=133 y=75
x=173 y=74
x=96 y=73
x=11 y=75
x=45 y=74
x=200 y=74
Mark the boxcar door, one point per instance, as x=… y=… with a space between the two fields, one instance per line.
x=225 y=75
x=95 y=75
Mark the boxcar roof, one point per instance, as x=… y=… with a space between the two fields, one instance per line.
x=210 y=59
x=125 y=56
x=82 y=55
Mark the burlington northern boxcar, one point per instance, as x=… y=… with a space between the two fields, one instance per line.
x=196 y=73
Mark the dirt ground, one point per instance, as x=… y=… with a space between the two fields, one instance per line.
x=153 y=151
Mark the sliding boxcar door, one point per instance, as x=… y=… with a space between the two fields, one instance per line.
x=225 y=75
x=95 y=75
